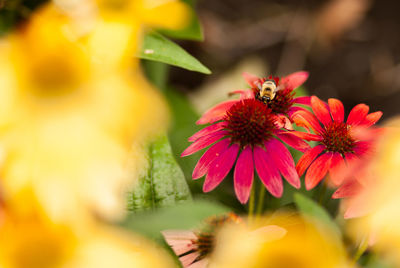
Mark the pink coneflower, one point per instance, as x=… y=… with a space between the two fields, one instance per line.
x=283 y=102
x=195 y=247
x=245 y=127
x=341 y=143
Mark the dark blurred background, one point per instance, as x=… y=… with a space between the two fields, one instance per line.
x=350 y=47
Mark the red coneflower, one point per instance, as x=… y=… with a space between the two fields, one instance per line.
x=341 y=143
x=248 y=128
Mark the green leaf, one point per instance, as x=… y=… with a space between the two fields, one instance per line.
x=158 y=48
x=163 y=185
x=184 y=216
x=311 y=209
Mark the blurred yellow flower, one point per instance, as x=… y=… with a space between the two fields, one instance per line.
x=304 y=244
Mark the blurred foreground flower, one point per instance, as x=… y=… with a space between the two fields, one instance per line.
x=303 y=244
x=341 y=142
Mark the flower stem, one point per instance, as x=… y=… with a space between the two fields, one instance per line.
x=251 y=202
x=260 y=203
x=360 y=250
x=322 y=192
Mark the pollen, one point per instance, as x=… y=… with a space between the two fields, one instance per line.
x=282 y=102
x=250 y=122
x=337 y=138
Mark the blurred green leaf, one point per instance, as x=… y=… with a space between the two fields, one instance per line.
x=311 y=209
x=164 y=184
x=158 y=48
x=184 y=216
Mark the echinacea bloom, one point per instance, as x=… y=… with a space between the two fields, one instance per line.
x=248 y=128
x=340 y=143
x=194 y=247
x=284 y=101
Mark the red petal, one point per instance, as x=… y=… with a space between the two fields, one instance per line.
x=203 y=142
x=358 y=114
x=220 y=167
x=283 y=161
x=372 y=118
x=336 y=170
x=244 y=94
x=208 y=157
x=292 y=140
x=216 y=113
x=267 y=172
x=294 y=80
x=317 y=170
x=306 y=119
x=251 y=79
x=306 y=136
x=307 y=158
x=305 y=100
x=348 y=189
x=207 y=130
x=321 y=111
x=244 y=175
x=337 y=109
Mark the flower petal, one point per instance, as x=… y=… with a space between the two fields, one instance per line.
x=317 y=170
x=188 y=259
x=220 y=167
x=336 y=170
x=208 y=157
x=244 y=94
x=244 y=174
x=358 y=114
x=372 y=118
x=216 y=113
x=337 y=109
x=283 y=161
x=251 y=79
x=348 y=189
x=203 y=142
x=181 y=241
x=294 y=80
x=292 y=140
x=321 y=111
x=305 y=100
x=307 y=158
x=306 y=136
x=306 y=119
x=267 y=172
x=207 y=130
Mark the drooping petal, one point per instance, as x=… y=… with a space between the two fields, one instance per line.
x=337 y=168
x=358 y=114
x=306 y=136
x=244 y=175
x=203 y=142
x=208 y=157
x=317 y=170
x=294 y=80
x=216 y=113
x=321 y=111
x=348 y=189
x=220 y=167
x=304 y=118
x=283 y=161
x=188 y=259
x=307 y=158
x=181 y=241
x=244 y=94
x=292 y=140
x=294 y=109
x=251 y=79
x=371 y=119
x=283 y=121
x=337 y=109
x=267 y=172
x=203 y=263
x=207 y=130
x=305 y=100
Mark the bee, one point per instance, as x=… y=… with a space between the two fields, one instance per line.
x=267 y=91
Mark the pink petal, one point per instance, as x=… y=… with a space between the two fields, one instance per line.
x=317 y=170
x=203 y=142
x=305 y=100
x=306 y=136
x=294 y=80
x=220 y=167
x=372 y=118
x=283 y=122
x=189 y=259
x=307 y=120
x=244 y=94
x=207 y=130
x=208 y=157
x=307 y=158
x=336 y=170
x=348 y=189
x=292 y=140
x=337 y=109
x=294 y=109
x=244 y=175
x=181 y=241
x=251 y=79
x=283 y=161
x=178 y=235
x=216 y=113
x=267 y=172
x=358 y=114
x=363 y=148
x=203 y=263
x=321 y=111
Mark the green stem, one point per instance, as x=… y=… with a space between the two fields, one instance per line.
x=260 y=203
x=251 y=202
x=360 y=250
x=322 y=192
